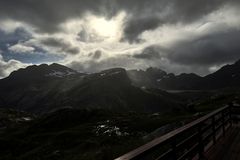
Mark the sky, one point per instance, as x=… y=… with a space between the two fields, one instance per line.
x=91 y=35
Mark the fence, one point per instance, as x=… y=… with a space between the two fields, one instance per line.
x=190 y=141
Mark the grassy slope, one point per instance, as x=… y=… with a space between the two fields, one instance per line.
x=76 y=134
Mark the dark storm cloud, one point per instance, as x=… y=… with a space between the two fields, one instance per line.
x=84 y=36
x=72 y=50
x=53 y=42
x=46 y=15
x=137 y=26
x=148 y=15
x=209 y=50
x=149 y=53
x=216 y=48
x=213 y=49
x=97 y=54
x=60 y=43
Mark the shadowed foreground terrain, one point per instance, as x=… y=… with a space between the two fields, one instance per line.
x=53 y=112
x=89 y=134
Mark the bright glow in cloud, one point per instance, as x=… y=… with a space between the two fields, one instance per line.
x=104 y=27
x=108 y=28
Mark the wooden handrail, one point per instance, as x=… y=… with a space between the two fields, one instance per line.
x=169 y=137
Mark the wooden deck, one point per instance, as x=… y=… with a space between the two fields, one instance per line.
x=228 y=147
x=215 y=136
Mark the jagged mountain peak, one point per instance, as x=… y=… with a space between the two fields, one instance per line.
x=154 y=69
x=112 y=75
x=237 y=62
x=36 y=71
x=114 y=70
x=110 y=89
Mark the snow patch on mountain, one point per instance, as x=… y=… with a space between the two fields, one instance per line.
x=60 y=74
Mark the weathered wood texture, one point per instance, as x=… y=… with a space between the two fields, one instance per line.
x=227 y=148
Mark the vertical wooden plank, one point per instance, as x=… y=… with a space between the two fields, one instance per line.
x=200 y=142
x=174 y=148
x=214 y=129
x=223 y=122
x=230 y=106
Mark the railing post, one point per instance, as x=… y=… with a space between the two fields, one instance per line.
x=230 y=114
x=174 y=149
x=213 y=129
x=200 y=143
x=171 y=139
x=223 y=123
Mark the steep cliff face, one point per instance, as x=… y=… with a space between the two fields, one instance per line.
x=51 y=87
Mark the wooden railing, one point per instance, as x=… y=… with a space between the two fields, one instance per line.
x=190 y=141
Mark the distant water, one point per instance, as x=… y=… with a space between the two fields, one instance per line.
x=181 y=91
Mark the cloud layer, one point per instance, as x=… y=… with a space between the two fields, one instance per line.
x=178 y=36
x=7 y=67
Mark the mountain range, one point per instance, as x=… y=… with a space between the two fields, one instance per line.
x=52 y=112
x=46 y=88
x=227 y=76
